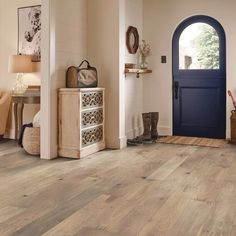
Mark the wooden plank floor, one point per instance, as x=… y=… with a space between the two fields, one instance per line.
x=156 y=189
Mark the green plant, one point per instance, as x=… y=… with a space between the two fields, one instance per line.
x=207 y=44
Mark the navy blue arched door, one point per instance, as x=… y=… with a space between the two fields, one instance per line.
x=199 y=78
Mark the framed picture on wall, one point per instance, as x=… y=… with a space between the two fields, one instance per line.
x=29 y=31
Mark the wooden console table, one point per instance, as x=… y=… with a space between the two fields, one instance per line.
x=19 y=101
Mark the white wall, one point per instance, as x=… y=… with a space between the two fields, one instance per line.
x=8 y=46
x=106 y=51
x=65 y=44
x=133 y=86
x=72 y=32
x=161 y=17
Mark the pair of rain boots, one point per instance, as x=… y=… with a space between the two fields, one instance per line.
x=150 y=121
x=150 y=133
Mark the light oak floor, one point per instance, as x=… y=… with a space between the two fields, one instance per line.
x=157 y=189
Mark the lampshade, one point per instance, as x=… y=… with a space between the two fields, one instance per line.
x=21 y=64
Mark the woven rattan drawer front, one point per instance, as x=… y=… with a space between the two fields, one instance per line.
x=91 y=136
x=92 y=99
x=92 y=117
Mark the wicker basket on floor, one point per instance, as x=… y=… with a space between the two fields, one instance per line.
x=31 y=140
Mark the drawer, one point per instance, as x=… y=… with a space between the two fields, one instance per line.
x=91 y=99
x=91 y=136
x=92 y=117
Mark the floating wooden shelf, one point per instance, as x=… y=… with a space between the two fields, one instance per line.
x=137 y=71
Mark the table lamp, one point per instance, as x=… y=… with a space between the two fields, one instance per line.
x=20 y=64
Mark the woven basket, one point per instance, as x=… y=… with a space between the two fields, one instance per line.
x=31 y=140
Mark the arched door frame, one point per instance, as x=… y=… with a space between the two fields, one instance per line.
x=175 y=53
x=199 y=19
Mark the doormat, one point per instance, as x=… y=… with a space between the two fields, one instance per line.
x=194 y=141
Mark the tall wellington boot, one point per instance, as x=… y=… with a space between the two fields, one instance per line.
x=147 y=117
x=154 y=121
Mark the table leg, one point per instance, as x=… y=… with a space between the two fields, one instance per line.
x=20 y=116
x=16 y=120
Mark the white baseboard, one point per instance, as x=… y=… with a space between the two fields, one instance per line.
x=132 y=133
x=164 y=130
x=116 y=143
x=123 y=142
x=10 y=133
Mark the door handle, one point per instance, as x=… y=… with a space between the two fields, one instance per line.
x=176 y=90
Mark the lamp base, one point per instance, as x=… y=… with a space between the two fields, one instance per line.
x=19 y=87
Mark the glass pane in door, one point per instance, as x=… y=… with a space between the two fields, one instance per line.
x=199 y=47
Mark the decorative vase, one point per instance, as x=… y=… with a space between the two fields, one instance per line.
x=142 y=61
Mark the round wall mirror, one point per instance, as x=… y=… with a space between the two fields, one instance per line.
x=132 y=39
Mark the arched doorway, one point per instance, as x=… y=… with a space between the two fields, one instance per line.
x=199 y=78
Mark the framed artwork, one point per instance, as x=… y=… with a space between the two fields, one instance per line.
x=29 y=31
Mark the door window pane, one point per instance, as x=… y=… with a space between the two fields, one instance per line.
x=199 y=47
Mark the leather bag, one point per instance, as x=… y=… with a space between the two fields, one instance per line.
x=81 y=77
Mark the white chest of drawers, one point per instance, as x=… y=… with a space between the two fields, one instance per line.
x=80 y=121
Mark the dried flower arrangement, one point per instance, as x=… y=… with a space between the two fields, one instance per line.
x=144 y=51
x=144 y=48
